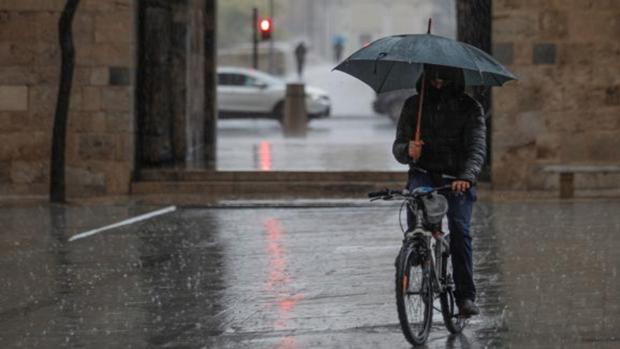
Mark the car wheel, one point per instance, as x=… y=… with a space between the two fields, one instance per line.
x=278 y=112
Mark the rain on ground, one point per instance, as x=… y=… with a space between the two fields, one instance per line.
x=318 y=276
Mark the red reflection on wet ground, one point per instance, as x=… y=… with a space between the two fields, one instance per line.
x=264 y=156
x=287 y=343
x=279 y=281
x=278 y=276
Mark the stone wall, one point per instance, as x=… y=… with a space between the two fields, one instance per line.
x=172 y=106
x=100 y=139
x=566 y=106
x=193 y=122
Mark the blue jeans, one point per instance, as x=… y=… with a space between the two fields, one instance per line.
x=460 y=208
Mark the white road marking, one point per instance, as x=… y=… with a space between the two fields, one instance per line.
x=123 y=223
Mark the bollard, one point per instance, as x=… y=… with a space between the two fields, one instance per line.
x=295 y=117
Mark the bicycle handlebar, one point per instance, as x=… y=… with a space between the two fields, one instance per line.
x=384 y=192
x=387 y=194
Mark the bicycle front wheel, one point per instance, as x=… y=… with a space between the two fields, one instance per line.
x=414 y=296
x=454 y=323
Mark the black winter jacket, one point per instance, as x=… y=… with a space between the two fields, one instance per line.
x=453 y=132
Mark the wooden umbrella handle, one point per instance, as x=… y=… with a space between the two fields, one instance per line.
x=416 y=152
x=420 y=103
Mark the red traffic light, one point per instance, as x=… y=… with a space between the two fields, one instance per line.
x=265 y=25
x=265 y=28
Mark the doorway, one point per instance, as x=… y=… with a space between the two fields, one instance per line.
x=174 y=73
x=170 y=90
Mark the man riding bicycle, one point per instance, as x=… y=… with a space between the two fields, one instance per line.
x=453 y=143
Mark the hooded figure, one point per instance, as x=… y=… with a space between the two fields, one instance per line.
x=453 y=127
x=453 y=135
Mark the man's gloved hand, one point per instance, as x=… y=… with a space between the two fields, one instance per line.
x=415 y=149
x=460 y=186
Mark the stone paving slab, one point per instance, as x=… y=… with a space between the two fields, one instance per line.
x=298 y=277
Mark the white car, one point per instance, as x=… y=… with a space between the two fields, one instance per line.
x=249 y=93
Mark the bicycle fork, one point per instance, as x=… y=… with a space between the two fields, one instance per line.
x=440 y=250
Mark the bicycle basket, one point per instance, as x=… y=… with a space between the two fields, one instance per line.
x=435 y=207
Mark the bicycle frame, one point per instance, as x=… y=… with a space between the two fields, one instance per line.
x=439 y=247
x=424 y=247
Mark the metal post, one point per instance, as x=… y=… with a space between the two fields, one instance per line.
x=255 y=38
x=210 y=89
x=271 y=62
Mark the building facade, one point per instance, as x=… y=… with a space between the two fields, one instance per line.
x=565 y=108
x=100 y=137
x=136 y=104
x=139 y=95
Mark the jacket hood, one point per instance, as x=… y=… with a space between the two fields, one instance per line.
x=454 y=85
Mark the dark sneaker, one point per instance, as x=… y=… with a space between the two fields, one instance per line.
x=468 y=308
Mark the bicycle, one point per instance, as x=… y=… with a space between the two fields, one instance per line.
x=423 y=264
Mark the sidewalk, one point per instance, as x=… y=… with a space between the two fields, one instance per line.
x=353 y=138
x=297 y=277
x=335 y=144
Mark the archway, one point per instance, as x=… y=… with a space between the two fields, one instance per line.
x=163 y=146
x=175 y=84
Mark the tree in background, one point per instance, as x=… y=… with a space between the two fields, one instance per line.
x=59 y=137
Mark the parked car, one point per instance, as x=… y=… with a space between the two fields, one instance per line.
x=248 y=93
x=391 y=103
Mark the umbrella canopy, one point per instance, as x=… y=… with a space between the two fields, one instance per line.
x=396 y=62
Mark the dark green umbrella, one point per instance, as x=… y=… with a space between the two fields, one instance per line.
x=396 y=62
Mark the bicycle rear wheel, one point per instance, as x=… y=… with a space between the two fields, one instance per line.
x=414 y=296
x=454 y=323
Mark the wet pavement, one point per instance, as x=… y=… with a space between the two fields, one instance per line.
x=353 y=138
x=298 y=277
x=336 y=144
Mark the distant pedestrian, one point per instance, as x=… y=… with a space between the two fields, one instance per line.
x=338 y=46
x=300 y=56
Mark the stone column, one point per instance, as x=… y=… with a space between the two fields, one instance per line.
x=180 y=88
x=210 y=88
x=474 y=20
x=155 y=98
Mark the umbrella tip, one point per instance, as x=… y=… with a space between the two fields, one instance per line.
x=430 y=22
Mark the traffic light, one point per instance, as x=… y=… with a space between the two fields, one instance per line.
x=265 y=28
